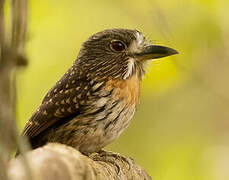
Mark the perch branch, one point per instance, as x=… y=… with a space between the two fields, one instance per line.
x=58 y=162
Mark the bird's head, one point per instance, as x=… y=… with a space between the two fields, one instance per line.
x=119 y=53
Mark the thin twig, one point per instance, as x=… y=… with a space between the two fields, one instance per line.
x=2 y=23
x=11 y=57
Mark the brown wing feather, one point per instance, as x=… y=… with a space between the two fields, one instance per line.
x=39 y=121
x=61 y=102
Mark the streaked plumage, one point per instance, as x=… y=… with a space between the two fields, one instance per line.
x=91 y=105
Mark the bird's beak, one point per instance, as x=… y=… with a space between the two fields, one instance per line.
x=155 y=52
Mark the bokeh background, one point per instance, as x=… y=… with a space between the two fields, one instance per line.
x=180 y=130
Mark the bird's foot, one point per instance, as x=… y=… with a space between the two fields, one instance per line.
x=111 y=157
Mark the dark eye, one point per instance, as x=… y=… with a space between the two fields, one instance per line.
x=117 y=46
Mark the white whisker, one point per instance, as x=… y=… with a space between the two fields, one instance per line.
x=130 y=68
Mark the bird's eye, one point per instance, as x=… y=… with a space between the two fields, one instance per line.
x=117 y=46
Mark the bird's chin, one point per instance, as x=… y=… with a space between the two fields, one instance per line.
x=136 y=67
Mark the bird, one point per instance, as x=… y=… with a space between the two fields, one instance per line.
x=94 y=101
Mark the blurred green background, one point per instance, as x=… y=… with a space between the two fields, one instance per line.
x=180 y=130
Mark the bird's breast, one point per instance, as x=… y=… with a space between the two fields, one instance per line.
x=128 y=89
x=120 y=107
x=108 y=115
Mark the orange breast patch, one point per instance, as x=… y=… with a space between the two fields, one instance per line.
x=128 y=89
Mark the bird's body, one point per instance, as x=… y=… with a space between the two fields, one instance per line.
x=91 y=105
x=105 y=113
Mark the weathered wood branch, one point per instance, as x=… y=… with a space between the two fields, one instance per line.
x=61 y=162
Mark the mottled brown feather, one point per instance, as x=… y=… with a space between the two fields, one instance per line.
x=55 y=105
